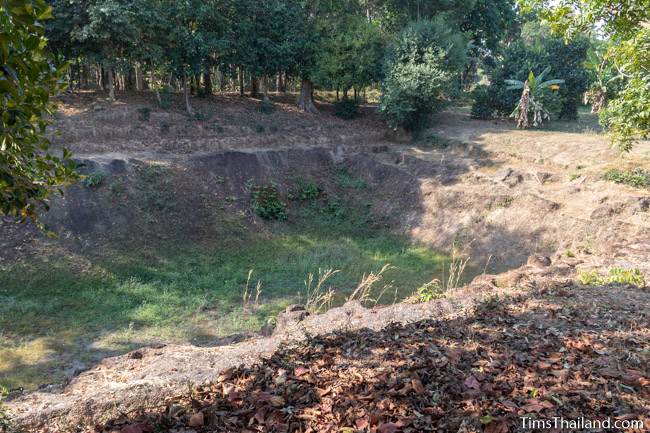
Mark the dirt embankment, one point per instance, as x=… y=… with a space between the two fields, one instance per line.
x=498 y=195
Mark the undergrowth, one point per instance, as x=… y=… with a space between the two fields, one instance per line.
x=266 y=202
x=628 y=277
x=636 y=177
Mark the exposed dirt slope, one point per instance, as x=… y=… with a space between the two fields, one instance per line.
x=541 y=346
x=498 y=193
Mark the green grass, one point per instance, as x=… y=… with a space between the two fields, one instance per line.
x=80 y=310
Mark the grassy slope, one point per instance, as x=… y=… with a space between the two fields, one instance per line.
x=54 y=317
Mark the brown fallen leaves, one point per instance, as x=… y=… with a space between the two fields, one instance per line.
x=541 y=357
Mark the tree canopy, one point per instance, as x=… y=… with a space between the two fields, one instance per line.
x=27 y=79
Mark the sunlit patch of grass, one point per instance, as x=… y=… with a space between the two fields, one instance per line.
x=53 y=315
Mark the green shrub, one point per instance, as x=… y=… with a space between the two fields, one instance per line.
x=164 y=126
x=628 y=277
x=636 y=177
x=266 y=107
x=93 y=179
x=429 y=291
x=422 y=68
x=305 y=190
x=346 y=109
x=345 y=179
x=166 y=97
x=5 y=422
x=567 y=61
x=266 y=202
x=260 y=129
x=482 y=107
x=144 y=113
x=200 y=116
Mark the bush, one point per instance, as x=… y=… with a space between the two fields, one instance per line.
x=144 y=113
x=636 y=177
x=628 y=277
x=422 y=69
x=567 y=61
x=166 y=97
x=266 y=202
x=346 y=109
x=93 y=179
x=266 y=107
x=482 y=107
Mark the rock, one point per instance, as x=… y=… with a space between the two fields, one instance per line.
x=538 y=261
x=509 y=176
x=196 y=420
x=291 y=315
x=640 y=204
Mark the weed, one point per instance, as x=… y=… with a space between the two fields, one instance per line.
x=164 y=126
x=219 y=179
x=166 y=97
x=117 y=189
x=628 y=277
x=319 y=298
x=365 y=290
x=217 y=128
x=333 y=208
x=428 y=292
x=248 y=294
x=260 y=129
x=5 y=422
x=201 y=116
x=574 y=176
x=93 y=179
x=155 y=179
x=266 y=107
x=569 y=254
x=305 y=190
x=266 y=202
x=345 y=179
x=346 y=109
x=436 y=141
x=636 y=177
x=144 y=113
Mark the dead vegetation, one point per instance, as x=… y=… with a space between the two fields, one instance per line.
x=564 y=352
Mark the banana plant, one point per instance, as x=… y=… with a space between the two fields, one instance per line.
x=529 y=103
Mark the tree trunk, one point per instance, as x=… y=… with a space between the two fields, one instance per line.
x=186 y=93
x=306 y=100
x=207 y=82
x=522 y=116
x=255 y=87
x=111 y=85
x=84 y=76
x=264 y=88
x=153 y=86
x=241 y=82
x=139 y=79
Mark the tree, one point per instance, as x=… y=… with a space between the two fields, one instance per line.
x=28 y=77
x=350 y=54
x=531 y=101
x=625 y=23
x=423 y=67
x=536 y=50
x=110 y=33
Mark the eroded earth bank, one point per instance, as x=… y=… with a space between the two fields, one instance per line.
x=529 y=335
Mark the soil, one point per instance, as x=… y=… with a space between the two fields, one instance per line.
x=494 y=193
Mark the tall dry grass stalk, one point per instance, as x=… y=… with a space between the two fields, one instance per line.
x=319 y=297
x=248 y=294
x=364 y=291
